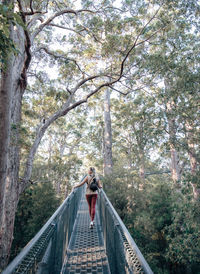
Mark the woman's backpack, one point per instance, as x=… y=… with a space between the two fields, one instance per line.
x=93 y=184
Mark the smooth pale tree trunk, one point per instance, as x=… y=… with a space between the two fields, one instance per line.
x=66 y=188
x=60 y=176
x=141 y=153
x=141 y=169
x=108 y=165
x=175 y=167
x=193 y=161
x=49 y=157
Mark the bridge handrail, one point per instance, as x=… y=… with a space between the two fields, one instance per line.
x=129 y=238
x=51 y=222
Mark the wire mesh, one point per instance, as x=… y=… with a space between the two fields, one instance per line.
x=123 y=254
x=46 y=251
x=58 y=229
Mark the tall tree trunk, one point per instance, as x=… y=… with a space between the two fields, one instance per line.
x=141 y=169
x=175 y=167
x=5 y=121
x=139 y=135
x=108 y=165
x=11 y=192
x=193 y=161
x=49 y=157
x=5 y=140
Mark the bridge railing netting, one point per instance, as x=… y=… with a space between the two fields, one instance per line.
x=46 y=251
x=123 y=254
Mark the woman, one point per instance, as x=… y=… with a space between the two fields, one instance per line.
x=91 y=196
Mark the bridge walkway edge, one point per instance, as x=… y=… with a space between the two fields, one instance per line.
x=86 y=252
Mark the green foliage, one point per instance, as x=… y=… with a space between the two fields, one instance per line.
x=163 y=222
x=36 y=205
x=183 y=236
x=115 y=187
x=44 y=207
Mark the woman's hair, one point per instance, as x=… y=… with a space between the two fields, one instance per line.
x=94 y=174
x=93 y=171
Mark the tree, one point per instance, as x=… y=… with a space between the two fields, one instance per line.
x=135 y=131
x=171 y=117
x=36 y=205
x=107 y=152
x=172 y=63
x=83 y=81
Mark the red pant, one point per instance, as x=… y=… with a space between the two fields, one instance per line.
x=91 y=199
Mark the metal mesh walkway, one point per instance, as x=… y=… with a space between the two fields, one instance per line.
x=86 y=251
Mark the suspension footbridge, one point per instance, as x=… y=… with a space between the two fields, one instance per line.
x=66 y=244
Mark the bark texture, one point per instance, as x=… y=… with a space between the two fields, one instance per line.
x=14 y=84
x=193 y=161
x=175 y=169
x=108 y=165
x=5 y=121
x=170 y=113
x=6 y=93
x=140 y=141
x=141 y=169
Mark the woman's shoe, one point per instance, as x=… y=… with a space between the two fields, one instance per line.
x=91 y=225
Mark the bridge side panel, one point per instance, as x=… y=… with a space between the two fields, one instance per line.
x=64 y=230
x=112 y=238
x=46 y=251
x=123 y=254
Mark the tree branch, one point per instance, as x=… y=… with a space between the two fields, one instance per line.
x=70 y=29
x=82 y=82
x=90 y=32
x=58 y=56
x=23 y=79
x=57 y=14
x=31 y=7
x=68 y=106
x=33 y=20
x=128 y=92
x=135 y=44
x=34 y=12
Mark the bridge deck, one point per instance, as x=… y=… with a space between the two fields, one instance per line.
x=86 y=251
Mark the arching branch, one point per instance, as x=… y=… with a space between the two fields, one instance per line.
x=57 y=14
x=68 y=105
x=70 y=29
x=60 y=56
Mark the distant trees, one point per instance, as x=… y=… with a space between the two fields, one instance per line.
x=36 y=205
x=132 y=49
x=163 y=222
x=107 y=139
